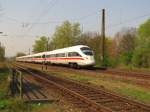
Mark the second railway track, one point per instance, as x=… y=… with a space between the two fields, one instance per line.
x=86 y=97
x=116 y=72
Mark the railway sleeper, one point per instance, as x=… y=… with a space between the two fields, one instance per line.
x=118 y=106
x=104 y=100
x=92 y=95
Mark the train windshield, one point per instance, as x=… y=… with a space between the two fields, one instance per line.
x=87 y=51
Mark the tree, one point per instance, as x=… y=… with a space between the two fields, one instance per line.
x=93 y=40
x=2 y=53
x=20 y=54
x=141 y=56
x=125 y=41
x=65 y=35
x=40 y=45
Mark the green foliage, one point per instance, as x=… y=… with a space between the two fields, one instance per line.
x=2 y=53
x=18 y=106
x=65 y=35
x=92 y=40
x=20 y=54
x=126 y=40
x=141 y=56
x=40 y=45
x=130 y=47
x=3 y=81
x=144 y=31
x=126 y=58
x=127 y=43
x=3 y=104
x=13 y=105
x=136 y=93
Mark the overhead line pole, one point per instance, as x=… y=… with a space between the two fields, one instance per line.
x=29 y=51
x=48 y=44
x=103 y=37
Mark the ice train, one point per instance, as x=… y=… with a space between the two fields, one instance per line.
x=75 y=56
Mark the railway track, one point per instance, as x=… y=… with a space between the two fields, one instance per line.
x=86 y=97
x=127 y=73
x=140 y=75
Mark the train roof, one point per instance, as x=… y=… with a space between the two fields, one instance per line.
x=72 y=48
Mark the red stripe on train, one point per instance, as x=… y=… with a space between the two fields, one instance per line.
x=57 y=59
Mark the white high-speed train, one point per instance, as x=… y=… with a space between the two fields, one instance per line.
x=75 y=56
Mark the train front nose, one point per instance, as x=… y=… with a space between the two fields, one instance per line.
x=89 y=60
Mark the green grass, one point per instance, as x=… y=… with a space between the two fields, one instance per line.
x=46 y=107
x=136 y=93
x=132 y=68
x=3 y=82
x=17 y=105
x=13 y=105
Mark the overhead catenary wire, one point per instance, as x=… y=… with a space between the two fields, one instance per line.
x=51 y=21
x=108 y=27
x=51 y=4
x=85 y=16
x=129 y=20
x=13 y=19
x=30 y=25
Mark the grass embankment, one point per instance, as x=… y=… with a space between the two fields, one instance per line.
x=121 y=86
x=3 y=81
x=16 y=105
x=133 y=69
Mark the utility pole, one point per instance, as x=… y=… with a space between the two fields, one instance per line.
x=29 y=51
x=103 y=37
x=48 y=44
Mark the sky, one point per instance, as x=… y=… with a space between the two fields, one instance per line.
x=24 y=21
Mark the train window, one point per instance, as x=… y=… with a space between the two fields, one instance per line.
x=57 y=55
x=86 y=51
x=48 y=56
x=52 y=55
x=37 y=56
x=60 y=55
x=43 y=56
x=73 y=54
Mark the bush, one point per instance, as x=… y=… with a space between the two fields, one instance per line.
x=126 y=58
x=13 y=105
x=141 y=57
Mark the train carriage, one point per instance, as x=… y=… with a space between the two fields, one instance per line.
x=74 y=56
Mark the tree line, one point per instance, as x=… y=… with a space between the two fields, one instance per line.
x=2 y=53
x=129 y=47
